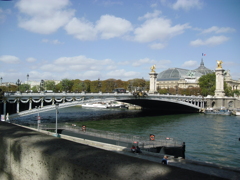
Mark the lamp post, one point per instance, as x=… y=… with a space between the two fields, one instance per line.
x=27 y=78
x=18 y=83
x=99 y=85
x=1 y=81
x=41 y=85
x=56 y=106
x=27 y=81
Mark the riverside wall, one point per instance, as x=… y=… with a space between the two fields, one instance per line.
x=27 y=154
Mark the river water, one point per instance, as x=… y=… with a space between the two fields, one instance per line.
x=208 y=138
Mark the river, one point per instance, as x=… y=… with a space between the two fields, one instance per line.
x=208 y=138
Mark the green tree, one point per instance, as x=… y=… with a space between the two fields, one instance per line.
x=207 y=84
x=87 y=85
x=50 y=85
x=236 y=92
x=35 y=89
x=66 y=85
x=24 y=87
x=228 y=90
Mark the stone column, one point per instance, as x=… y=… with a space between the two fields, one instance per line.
x=4 y=107
x=30 y=104
x=42 y=102
x=18 y=105
x=153 y=80
x=219 y=91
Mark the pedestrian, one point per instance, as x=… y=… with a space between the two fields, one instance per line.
x=165 y=160
x=133 y=149
x=138 y=150
x=183 y=150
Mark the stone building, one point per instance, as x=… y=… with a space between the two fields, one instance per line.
x=234 y=84
x=181 y=78
x=184 y=78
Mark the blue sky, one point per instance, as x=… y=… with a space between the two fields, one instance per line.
x=120 y=39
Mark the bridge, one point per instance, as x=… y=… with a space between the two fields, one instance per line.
x=23 y=104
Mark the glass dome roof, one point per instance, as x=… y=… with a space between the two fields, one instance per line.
x=202 y=69
x=172 y=74
x=178 y=73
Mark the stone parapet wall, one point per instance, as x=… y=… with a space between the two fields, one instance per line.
x=28 y=154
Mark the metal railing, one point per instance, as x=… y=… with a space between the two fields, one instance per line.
x=121 y=139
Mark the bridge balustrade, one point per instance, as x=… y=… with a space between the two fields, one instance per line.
x=80 y=98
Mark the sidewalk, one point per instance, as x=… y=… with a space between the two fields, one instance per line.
x=206 y=168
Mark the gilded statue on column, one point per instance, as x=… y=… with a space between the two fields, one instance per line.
x=153 y=68
x=219 y=64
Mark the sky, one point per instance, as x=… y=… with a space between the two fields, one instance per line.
x=119 y=39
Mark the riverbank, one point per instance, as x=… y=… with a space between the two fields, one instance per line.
x=187 y=167
x=196 y=166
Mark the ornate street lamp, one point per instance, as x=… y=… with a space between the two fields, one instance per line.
x=99 y=85
x=18 y=83
x=27 y=78
x=41 y=85
x=56 y=106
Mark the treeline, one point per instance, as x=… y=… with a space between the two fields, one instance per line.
x=77 y=85
x=207 y=85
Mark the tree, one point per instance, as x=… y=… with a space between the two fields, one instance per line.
x=207 y=84
x=66 y=85
x=24 y=87
x=50 y=85
x=35 y=88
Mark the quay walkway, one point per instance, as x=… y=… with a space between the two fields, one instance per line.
x=163 y=145
x=220 y=171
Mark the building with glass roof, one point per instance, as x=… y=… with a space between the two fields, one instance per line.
x=181 y=78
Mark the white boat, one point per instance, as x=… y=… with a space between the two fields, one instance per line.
x=236 y=112
x=218 y=111
x=96 y=105
x=103 y=105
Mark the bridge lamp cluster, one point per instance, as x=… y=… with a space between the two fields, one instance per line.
x=18 y=83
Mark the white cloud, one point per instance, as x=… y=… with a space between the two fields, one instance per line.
x=212 y=41
x=155 y=14
x=154 y=5
x=124 y=74
x=31 y=59
x=3 y=14
x=158 y=29
x=81 y=29
x=123 y=63
x=82 y=60
x=53 y=68
x=186 y=4
x=90 y=75
x=162 y=64
x=190 y=64
x=157 y=46
x=43 y=16
x=143 y=61
x=56 y=41
x=146 y=62
x=215 y=29
x=110 y=26
x=9 y=59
